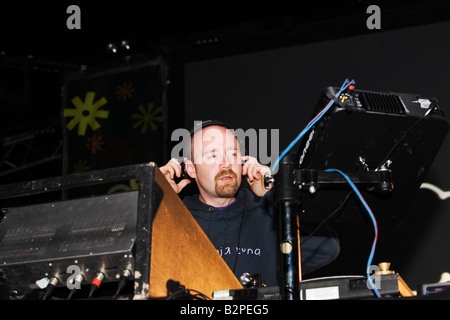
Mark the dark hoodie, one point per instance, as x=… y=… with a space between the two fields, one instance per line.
x=245 y=235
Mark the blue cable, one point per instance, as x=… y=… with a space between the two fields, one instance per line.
x=344 y=86
x=372 y=251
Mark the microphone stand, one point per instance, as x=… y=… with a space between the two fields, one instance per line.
x=288 y=182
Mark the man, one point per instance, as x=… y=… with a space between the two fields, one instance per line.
x=243 y=231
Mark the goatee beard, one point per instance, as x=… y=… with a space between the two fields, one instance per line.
x=226 y=189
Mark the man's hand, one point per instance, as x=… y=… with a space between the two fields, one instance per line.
x=172 y=169
x=255 y=175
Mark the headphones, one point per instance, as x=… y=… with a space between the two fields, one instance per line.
x=207 y=123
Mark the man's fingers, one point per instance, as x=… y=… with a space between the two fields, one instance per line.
x=249 y=161
x=183 y=183
x=171 y=169
x=174 y=168
x=254 y=172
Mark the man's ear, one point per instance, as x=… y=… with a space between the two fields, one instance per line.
x=190 y=168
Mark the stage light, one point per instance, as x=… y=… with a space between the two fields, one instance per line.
x=125 y=44
x=112 y=47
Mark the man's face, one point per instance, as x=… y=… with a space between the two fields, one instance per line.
x=217 y=161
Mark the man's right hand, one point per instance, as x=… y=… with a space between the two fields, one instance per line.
x=171 y=170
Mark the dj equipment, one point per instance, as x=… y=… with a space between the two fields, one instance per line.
x=382 y=141
x=140 y=236
x=389 y=285
x=432 y=289
x=329 y=288
x=79 y=239
x=91 y=236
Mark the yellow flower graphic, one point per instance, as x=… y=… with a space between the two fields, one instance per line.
x=124 y=91
x=147 y=116
x=86 y=113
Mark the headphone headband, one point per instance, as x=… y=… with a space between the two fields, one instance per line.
x=207 y=123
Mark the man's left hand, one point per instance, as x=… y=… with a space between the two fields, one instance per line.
x=255 y=175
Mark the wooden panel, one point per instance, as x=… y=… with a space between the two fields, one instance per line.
x=182 y=252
